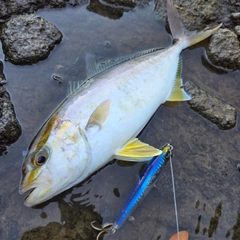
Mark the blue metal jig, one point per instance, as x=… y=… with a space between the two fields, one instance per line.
x=141 y=188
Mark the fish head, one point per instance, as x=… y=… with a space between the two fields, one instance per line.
x=56 y=161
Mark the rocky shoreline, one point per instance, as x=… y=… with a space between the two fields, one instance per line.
x=10 y=129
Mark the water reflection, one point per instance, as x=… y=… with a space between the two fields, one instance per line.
x=107 y=10
x=235 y=229
x=214 y=224
x=75 y=224
x=214 y=221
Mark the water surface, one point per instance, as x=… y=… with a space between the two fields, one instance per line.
x=205 y=158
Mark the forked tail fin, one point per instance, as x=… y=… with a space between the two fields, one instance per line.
x=178 y=31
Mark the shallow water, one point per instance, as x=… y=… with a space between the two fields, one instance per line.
x=205 y=158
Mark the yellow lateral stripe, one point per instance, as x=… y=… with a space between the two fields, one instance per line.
x=46 y=132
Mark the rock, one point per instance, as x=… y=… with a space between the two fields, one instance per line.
x=212 y=108
x=224 y=49
x=10 y=129
x=195 y=14
x=2 y=76
x=237 y=30
x=235 y=17
x=14 y=7
x=27 y=39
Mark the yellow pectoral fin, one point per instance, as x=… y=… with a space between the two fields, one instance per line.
x=178 y=93
x=136 y=151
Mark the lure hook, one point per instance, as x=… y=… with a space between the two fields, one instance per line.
x=104 y=229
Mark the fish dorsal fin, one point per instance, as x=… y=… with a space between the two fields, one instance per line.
x=73 y=85
x=99 y=116
x=178 y=93
x=91 y=65
x=136 y=151
x=94 y=67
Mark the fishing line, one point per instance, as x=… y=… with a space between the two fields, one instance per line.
x=174 y=194
x=157 y=222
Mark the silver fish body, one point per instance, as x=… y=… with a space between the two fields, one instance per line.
x=101 y=119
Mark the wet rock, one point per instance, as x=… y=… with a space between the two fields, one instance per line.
x=10 y=129
x=13 y=7
x=212 y=108
x=237 y=30
x=199 y=14
x=2 y=76
x=235 y=17
x=195 y=14
x=27 y=39
x=224 y=49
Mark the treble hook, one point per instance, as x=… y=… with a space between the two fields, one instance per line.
x=104 y=229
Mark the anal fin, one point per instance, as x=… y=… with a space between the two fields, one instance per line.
x=136 y=151
x=178 y=93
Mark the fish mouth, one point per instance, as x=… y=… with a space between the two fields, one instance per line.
x=26 y=189
x=35 y=194
x=36 y=187
x=28 y=193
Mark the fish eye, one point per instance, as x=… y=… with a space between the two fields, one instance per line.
x=40 y=157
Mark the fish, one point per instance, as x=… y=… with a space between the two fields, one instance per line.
x=143 y=185
x=101 y=119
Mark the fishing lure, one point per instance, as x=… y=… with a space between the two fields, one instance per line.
x=141 y=188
